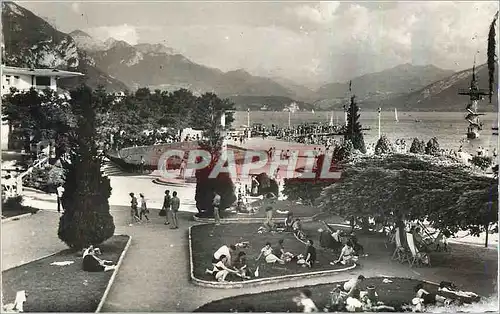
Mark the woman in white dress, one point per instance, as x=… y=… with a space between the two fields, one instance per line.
x=267 y=252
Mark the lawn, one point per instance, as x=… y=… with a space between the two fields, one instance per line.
x=298 y=210
x=206 y=239
x=394 y=294
x=61 y=288
x=8 y=212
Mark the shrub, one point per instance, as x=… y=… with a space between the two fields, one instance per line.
x=55 y=177
x=482 y=162
x=417 y=146
x=12 y=203
x=86 y=219
x=384 y=146
x=343 y=151
x=432 y=147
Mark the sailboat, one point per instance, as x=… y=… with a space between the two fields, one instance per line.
x=396 y=115
x=331 y=120
x=312 y=111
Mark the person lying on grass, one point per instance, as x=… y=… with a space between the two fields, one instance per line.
x=92 y=263
x=347 y=256
x=270 y=258
x=424 y=298
x=221 y=269
x=241 y=266
x=310 y=255
x=305 y=302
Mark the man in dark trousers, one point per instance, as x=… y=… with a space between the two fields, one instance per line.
x=175 y=203
x=166 y=206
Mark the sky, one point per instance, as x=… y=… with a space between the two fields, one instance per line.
x=307 y=42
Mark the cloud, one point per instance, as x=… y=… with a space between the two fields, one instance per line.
x=324 y=12
x=75 y=6
x=125 y=32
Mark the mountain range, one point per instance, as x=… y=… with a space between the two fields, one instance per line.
x=32 y=42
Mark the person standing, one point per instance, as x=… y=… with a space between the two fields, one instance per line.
x=175 y=203
x=60 y=191
x=143 y=162
x=144 y=208
x=166 y=206
x=216 y=204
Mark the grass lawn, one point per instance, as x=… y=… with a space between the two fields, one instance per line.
x=8 y=212
x=206 y=239
x=61 y=288
x=298 y=210
x=395 y=294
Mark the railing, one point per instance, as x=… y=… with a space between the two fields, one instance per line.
x=17 y=188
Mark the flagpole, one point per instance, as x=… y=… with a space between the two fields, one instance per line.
x=289 y=116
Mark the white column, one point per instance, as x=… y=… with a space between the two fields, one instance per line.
x=289 y=118
x=379 y=113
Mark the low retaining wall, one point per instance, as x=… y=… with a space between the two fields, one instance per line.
x=255 y=282
x=113 y=276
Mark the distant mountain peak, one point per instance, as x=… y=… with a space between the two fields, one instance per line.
x=115 y=43
x=78 y=32
x=154 y=48
x=13 y=9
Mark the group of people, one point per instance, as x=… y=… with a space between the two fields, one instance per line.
x=170 y=208
x=343 y=297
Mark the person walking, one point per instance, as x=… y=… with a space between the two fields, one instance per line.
x=166 y=206
x=216 y=204
x=144 y=208
x=134 y=215
x=60 y=191
x=175 y=203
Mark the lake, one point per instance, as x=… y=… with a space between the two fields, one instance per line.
x=449 y=127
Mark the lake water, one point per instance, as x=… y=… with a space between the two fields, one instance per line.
x=449 y=127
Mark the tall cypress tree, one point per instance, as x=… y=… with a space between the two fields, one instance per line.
x=354 y=131
x=86 y=219
x=491 y=55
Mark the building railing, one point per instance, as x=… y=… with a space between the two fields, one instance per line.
x=14 y=186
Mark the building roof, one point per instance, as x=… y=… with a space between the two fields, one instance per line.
x=7 y=70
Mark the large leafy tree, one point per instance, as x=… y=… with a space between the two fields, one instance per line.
x=354 y=130
x=86 y=219
x=396 y=187
x=35 y=116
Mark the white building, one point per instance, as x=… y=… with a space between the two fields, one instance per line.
x=23 y=79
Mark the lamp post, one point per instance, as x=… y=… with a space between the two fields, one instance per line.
x=249 y=131
x=379 y=113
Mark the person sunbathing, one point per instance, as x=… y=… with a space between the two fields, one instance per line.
x=310 y=256
x=221 y=269
x=282 y=253
x=270 y=258
x=226 y=250
x=346 y=255
x=92 y=263
x=241 y=266
x=424 y=297
x=351 y=287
